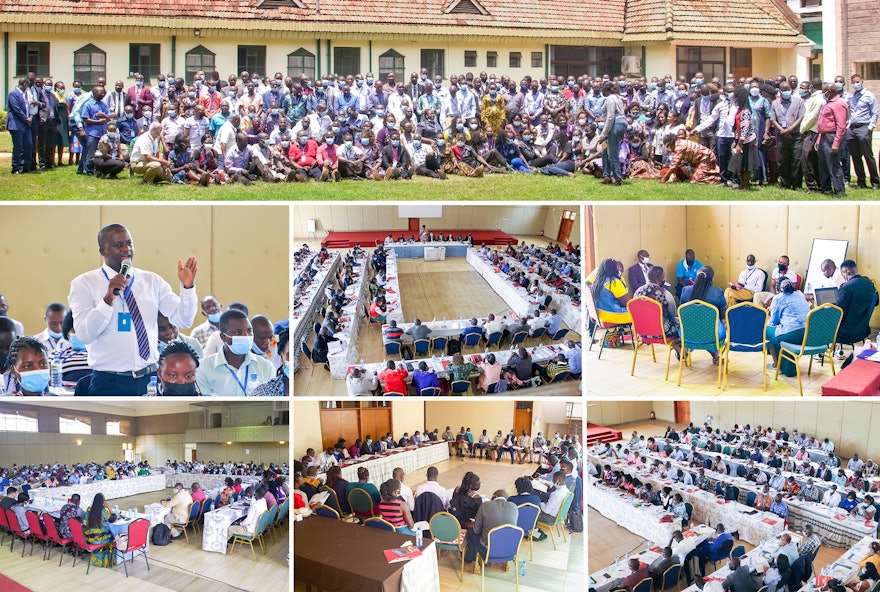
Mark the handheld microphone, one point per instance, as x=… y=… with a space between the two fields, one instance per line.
x=123 y=270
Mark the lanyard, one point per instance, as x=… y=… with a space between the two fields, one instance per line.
x=127 y=288
x=235 y=376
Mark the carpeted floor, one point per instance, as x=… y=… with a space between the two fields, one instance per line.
x=8 y=585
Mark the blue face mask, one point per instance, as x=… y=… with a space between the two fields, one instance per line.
x=215 y=317
x=839 y=86
x=287 y=369
x=395 y=143
x=241 y=344
x=493 y=93
x=417 y=144
x=303 y=140
x=786 y=95
x=75 y=343
x=257 y=350
x=329 y=141
x=698 y=81
x=365 y=141
x=34 y=381
x=53 y=334
x=161 y=84
x=161 y=346
x=369 y=81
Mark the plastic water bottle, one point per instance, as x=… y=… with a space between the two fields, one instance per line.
x=153 y=387
x=116 y=509
x=522 y=568
x=626 y=557
x=56 y=372
x=252 y=383
x=617 y=562
x=419 y=537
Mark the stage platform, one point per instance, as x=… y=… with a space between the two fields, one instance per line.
x=370 y=238
x=597 y=433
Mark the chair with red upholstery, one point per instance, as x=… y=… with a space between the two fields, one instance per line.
x=137 y=541
x=15 y=527
x=36 y=531
x=53 y=536
x=647 y=316
x=79 y=539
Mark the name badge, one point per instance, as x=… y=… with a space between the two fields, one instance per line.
x=123 y=322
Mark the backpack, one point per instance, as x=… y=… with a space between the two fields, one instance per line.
x=453 y=346
x=161 y=535
x=575 y=521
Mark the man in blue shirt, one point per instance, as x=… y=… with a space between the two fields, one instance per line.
x=575 y=358
x=710 y=549
x=95 y=115
x=686 y=271
x=472 y=328
x=862 y=121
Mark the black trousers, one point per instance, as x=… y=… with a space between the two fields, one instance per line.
x=859 y=142
x=810 y=160
x=789 y=156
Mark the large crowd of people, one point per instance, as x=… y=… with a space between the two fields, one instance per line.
x=119 y=314
x=558 y=463
x=762 y=455
x=33 y=476
x=212 y=130
x=788 y=297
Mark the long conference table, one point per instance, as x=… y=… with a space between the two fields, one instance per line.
x=344 y=557
x=343 y=352
x=834 y=525
x=382 y=465
x=307 y=305
x=428 y=250
x=207 y=481
x=753 y=525
x=111 y=489
x=517 y=298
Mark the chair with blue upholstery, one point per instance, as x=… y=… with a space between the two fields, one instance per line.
x=560 y=376
x=746 y=332
x=503 y=547
x=460 y=386
x=670 y=578
x=493 y=339
x=820 y=337
x=538 y=334
x=421 y=347
x=327 y=512
x=750 y=499
x=643 y=586
x=518 y=338
x=392 y=348
x=559 y=335
x=528 y=521
x=471 y=340
x=380 y=523
x=430 y=391
x=438 y=344
x=699 y=331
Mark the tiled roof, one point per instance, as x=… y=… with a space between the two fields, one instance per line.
x=757 y=21
x=711 y=19
x=605 y=17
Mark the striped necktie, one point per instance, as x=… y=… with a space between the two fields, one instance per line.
x=139 y=329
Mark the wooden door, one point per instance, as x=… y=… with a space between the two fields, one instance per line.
x=522 y=417
x=565 y=228
x=414 y=226
x=375 y=421
x=193 y=454
x=339 y=423
x=683 y=412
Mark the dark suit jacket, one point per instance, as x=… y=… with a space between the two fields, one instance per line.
x=498 y=512
x=18 y=113
x=403 y=159
x=636 y=278
x=856 y=298
x=740 y=581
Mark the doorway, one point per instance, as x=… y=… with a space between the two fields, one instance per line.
x=565 y=225
x=522 y=417
x=683 y=412
x=414 y=225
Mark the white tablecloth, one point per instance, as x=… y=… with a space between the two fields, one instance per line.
x=517 y=298
x=206 y=481
x=643 y=520
x=410 y=461
x=110 y=489
x=343 y=352
x=217 y=522
x=393 y=303
x=846 y=567
x=435 y=253
x=422 y=573
x=308 y=304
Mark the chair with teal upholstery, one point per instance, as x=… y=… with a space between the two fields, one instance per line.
x=449 y=536
x=820 y=337
x=699 y=331
x=248 y=539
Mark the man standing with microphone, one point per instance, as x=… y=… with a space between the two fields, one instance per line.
x=115 y=310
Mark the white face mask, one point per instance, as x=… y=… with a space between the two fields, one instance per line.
x=646 y=260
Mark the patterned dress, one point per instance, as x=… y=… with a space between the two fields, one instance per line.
x=704 y=166
x=493 y=111
x=658 y=294
x=106 y=555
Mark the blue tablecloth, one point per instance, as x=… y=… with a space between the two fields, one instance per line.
x=418 y=251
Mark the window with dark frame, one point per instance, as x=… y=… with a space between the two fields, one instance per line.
x=868 y=70
x=301 y=62
x=89 y=64
x=252 y=58
x=392 y=61
x=199 y=58
x=346 y=60
x=434 y=60
x=144 y=58
x=515 y=60
x=537 y=59
x=708 y=60
x=32 y=57
x=491 y=59
x=470 y=59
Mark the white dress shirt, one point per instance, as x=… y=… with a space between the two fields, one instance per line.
x=752 y=280
x=52 y=344
x=407 y=494
x=436 y=489
x=96 y=322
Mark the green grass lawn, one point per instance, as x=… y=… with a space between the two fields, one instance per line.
x=64 y=184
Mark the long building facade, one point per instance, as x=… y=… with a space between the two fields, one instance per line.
x=85 y=39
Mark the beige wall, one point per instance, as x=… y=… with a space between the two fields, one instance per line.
x=478 y=415
x=242 y=251
x=553 y=219
x=260 y=452
x=156 y=449
x=306 y=426
x=611 y=413
x=722 y=235
x=408 y=416
x=517 y=220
